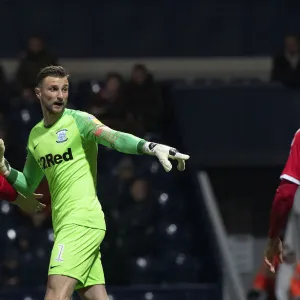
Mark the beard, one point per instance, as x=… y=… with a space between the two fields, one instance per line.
x=56 y=107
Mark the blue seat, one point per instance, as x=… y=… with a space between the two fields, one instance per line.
x=180 y=268
x=171 y=208
x=173 y=237
x=7 y=214
x=143 y=271
x=84 y=92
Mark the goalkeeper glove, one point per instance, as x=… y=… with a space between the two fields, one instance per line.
x=4 y=165
x=164 y=153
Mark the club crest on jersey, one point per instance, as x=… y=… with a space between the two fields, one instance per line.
x=61 y=136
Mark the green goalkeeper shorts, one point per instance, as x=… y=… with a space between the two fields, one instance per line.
x=76 y=253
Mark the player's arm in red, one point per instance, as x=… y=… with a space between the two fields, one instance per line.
x=26 y=199
x=7 y=192
x=281 y=207
x=283 y=203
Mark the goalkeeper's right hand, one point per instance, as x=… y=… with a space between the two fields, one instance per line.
x=30 y=204
x=4 y=165
x=164 y=153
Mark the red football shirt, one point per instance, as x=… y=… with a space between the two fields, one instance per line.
x=291 y=171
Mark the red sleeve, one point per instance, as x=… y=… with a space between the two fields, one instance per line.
x=291 y=171
x=281 y=207
x=7 y=192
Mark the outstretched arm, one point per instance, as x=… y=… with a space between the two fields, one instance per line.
x=92 y=129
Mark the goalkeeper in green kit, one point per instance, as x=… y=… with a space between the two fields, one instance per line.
x=63 y=147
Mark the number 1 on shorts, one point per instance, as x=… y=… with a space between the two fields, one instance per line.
x=60 y=253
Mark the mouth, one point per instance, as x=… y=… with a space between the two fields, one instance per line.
x=58 y=103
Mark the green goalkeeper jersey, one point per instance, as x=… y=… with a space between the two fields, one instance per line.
x=66 y=153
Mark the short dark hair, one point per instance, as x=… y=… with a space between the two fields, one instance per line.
x=53 y=71
x=112 y=75
x=140 y=67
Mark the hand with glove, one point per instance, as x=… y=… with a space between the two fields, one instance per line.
x=164 y=154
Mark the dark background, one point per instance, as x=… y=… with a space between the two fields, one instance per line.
x=160 y=243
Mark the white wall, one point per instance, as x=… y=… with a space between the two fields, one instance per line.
x=164 y=68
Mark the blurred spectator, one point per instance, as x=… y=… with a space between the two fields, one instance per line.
x=32 y=61
x=131 y=232
x=115 y=187
x=286 y=65
x=27 y=100
x=3 y=126
x=137 y=219
x=113 y=190
x=107 y=105
x=24 y=112
x=125 y=169
x=2 y=77
x=3 y=86
x=23 y=241
x=40 y=220
x=143 y=101
x=11 y=270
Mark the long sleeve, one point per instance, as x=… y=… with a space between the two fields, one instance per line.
x=281 y=207
x=27 y=181
x=92 y=129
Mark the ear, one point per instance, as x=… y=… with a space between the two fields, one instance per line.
x=38 y=93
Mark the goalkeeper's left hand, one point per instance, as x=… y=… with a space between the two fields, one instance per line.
x=164 y=153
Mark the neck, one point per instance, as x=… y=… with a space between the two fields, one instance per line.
x=50 y=118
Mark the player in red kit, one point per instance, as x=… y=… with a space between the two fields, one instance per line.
x=29 y=204
x=283 y=203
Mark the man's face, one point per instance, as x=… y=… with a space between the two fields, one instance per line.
x=53 y=93
x=35 y=45
x=291 y=44
x=113 y=85
x=138 y=76
x=139 y=190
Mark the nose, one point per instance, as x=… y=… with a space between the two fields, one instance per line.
x=60 y=95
